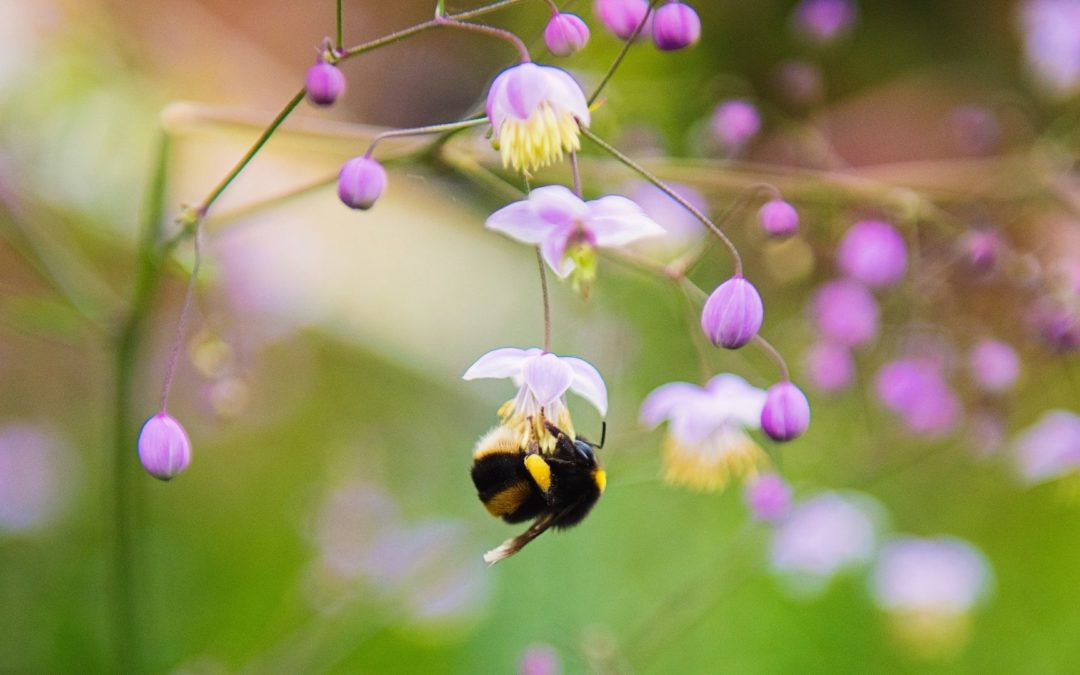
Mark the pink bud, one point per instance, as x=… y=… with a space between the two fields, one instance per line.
x=733 y=313
x=566 y=34
x=778 y=218
x=874 y=253
x=675 y=26
x=786 y=414
x=982 y=250
x=845 y=312
x=361 y=182
x=164 y=448
x=324 y=83
x=622 y=17
x=768 y=497
x=735 y=122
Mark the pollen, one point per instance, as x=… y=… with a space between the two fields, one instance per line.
x=711 y=466
x=539 y=140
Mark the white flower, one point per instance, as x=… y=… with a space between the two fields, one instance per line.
x=707 y=442
x=542 y=379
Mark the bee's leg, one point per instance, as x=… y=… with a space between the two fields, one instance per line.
x=540 y=471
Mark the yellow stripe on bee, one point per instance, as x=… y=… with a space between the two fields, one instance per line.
x=498 y=441
x=539 y=470
x=508 y=500
x=600 y=478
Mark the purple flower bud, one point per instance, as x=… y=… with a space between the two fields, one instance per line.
x=823 y=21
x=982 y=250
x=874 y=253
x=566 y=34
x=733 y=313
x=768 y=497
x=361 y=182
x=164 y=448
x=675 y=26
x=735 y=122
x=622 y=17
x=830 y=366
x=786 y=414
x=994 y=365
x=845 y=312
x=324 y=83
x=778 y=218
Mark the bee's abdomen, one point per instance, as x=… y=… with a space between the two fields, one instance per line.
x=506 y=488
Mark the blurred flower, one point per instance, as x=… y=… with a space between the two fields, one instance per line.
x=915 y=389
x=164 y=447
x=845 y=313
x=1052 y=43
x=975 y=129
x=778 y=218
x=986 y=433
x=824 y=21
x=33 y=466
x=734 y=123
x=1057 y=324
x=543 y=380
x=824 y=536
x=982 y=251
x=706 y=442
x=682 y=229
x=799 y=82
x=1050 y=448
x=361 y=182
x=535 y=112
x=325 y=83
x=565 y=34
x=929 y=587
x=569 y=230
x=540 y=659
x=675 y=26
x=994 y=365
x=829 y=366
x=733 y=313
x=874 y=253
x=786 y=414
x=621 y=17
x=768 y=497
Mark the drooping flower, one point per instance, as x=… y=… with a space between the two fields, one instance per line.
x=786 y=414
x=778 y=218
x=830 y=366
x=622 y=17
x=325 y=83
x=543 y=380
x=707 y=444
x=1050 y=448
x=733 y=313
x=569 y=230
x=361 y=182
x=929 y=588
x=845 y=312
x=824 y=536
x=565 y=34
x=535 y=112
x=768 y=497
x=873 y=252
x=994 y=365
x=675 y=26
x=824 y=21
x=164 y=447
x=734 y=123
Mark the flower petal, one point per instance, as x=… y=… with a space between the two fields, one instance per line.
x=737 y=400
x=547 y=377
x=665 y=400
x=520 y=221
x=499 y=363
x=553 y=248
x=617 y=221
x=588 y=383
x=556 y=204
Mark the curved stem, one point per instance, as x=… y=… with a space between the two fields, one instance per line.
x=575 y=173
x=546 y=299
x=181 y=324
x=622 y=54
x=614 y=152
x=500 y=33
x=767 y=347
x=420 y=131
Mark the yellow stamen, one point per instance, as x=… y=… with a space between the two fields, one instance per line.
x=710 y=469
x=538 y=141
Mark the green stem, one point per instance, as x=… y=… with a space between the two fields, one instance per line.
x=773 y=354
x=431 y=129
x=340 y=29
x=501 y=33
x=644 y=173
x=546 y=299
x=622 y=54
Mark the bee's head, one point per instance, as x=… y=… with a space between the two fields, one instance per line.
x=584 y=451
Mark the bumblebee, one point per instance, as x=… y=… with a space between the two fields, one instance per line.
x=557 y=489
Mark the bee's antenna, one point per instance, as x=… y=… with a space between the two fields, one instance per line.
x=603 y=434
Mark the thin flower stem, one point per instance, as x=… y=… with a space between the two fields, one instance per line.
x=420 y=131
x=554 y=7
x=614 y=152
x=501 y=33
x=622 y=54
x=546 y=299
x=575 y=173
x=181 y=324
x=745 y=198
x=773 y=354
x=340 y=29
